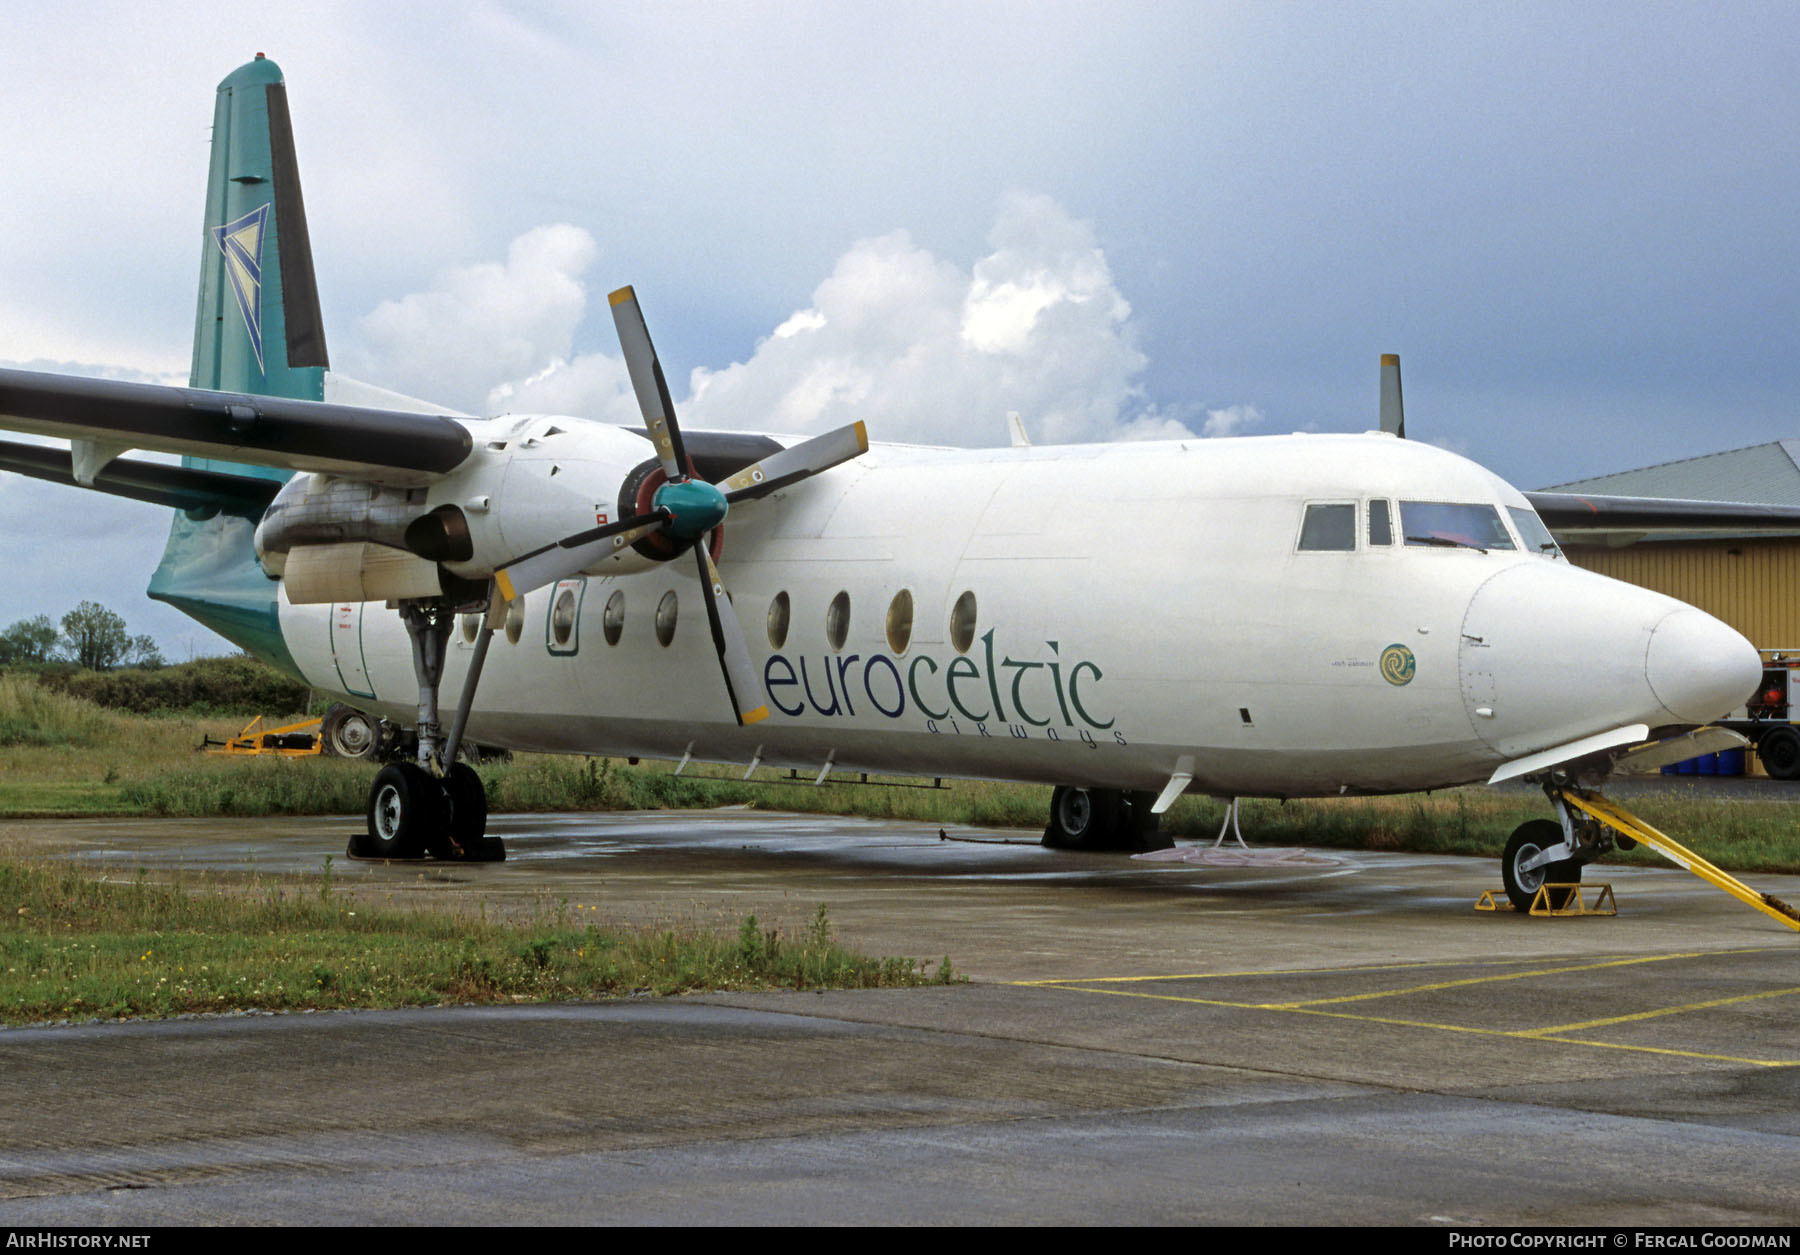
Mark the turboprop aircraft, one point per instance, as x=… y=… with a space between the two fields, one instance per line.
x=1279 y=616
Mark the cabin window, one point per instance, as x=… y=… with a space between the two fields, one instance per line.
x=665 y=618
x=778 y=620
x=1328 y=528
x=562 y=617
x=837 y=621
x=1532 y=532
x=1453 y=525
x=899 y=621
x=471 y=626
x=561 y=627
x=515 y=621
x=1381 y=529
x=962 y=623
x=612 y=619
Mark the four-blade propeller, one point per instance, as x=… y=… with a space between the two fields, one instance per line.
x=683 y=508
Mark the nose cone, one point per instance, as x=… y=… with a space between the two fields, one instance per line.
x=1698 y=667
x=1550 y=654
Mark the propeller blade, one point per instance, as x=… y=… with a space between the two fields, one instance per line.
x=795 y=463
x=571 y=554
x=648 y=382
x=728 y=639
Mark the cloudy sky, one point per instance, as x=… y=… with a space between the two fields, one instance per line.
x=1573 y=222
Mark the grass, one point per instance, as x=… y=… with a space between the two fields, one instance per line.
x=72 y=947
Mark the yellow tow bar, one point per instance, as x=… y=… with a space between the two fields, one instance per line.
x=1620 y=821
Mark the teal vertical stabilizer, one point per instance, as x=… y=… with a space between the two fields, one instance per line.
x=257 y=330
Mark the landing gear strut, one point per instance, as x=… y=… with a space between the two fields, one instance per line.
x=436 y=805
x=1102 y=819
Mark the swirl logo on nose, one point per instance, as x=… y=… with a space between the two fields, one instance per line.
x=1397 y=664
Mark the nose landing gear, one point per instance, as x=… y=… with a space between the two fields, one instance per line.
x=1542 y=852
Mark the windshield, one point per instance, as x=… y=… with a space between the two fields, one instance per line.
x=1532 y=532
x=1453 y=525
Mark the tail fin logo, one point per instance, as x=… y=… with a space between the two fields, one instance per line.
x=241 y=242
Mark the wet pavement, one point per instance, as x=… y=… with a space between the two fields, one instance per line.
x=1339 y=1040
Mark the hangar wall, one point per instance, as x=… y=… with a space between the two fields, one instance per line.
x=1749 y=584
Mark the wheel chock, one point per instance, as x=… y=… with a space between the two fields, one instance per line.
x=1575 y=901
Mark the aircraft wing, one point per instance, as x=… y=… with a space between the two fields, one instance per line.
x=1576 y=516
x=383 y=446
x=180 y=487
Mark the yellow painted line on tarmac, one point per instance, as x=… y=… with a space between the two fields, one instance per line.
x=1552 y=1033
x=1536 y=1035
x=1484 y=980
x=1681 y=1010
x=1269 y=971
x=1406 y=966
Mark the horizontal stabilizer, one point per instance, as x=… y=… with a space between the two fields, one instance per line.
x=183 y=488
x=1568 y=514
x=384 y=446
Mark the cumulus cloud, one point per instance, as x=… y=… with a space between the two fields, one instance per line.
x=919 y=347
x=924 y=350
x=1233 y=420
x=482 y=323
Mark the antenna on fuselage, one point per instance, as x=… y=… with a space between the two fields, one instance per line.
x=1393 y=414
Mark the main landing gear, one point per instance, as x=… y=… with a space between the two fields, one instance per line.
x=434 y=806
x=1103 y=819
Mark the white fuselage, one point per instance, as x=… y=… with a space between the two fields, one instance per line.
x=1137 y=608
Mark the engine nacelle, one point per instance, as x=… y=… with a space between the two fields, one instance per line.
x=529 y=482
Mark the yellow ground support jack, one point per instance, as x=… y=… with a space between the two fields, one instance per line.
x=1574 y=900
x=1612 y=816
x=294 y=740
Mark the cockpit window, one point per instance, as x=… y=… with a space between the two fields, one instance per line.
x=1329 y=527
x=1381 y=532
x=1453 y=525
x=1532 y=532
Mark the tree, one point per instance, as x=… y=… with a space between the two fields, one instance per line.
x=29 y=640
x=94 y=636
x=141 y=651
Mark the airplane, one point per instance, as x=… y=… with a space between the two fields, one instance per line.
x=1277 y=616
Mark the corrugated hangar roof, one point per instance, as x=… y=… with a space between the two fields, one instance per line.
x=1767 y=474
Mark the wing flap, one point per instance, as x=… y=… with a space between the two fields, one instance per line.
x=383 y=446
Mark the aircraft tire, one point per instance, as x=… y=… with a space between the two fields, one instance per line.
x=1083 y=819
x=406 y=806
x=1521 y=887
x=1779 y=749
x=347 y=732
x=463 y=837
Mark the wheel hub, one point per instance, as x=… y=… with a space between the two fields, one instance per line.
x=387 y=813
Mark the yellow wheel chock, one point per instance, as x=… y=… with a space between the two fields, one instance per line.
x=1574 y=900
